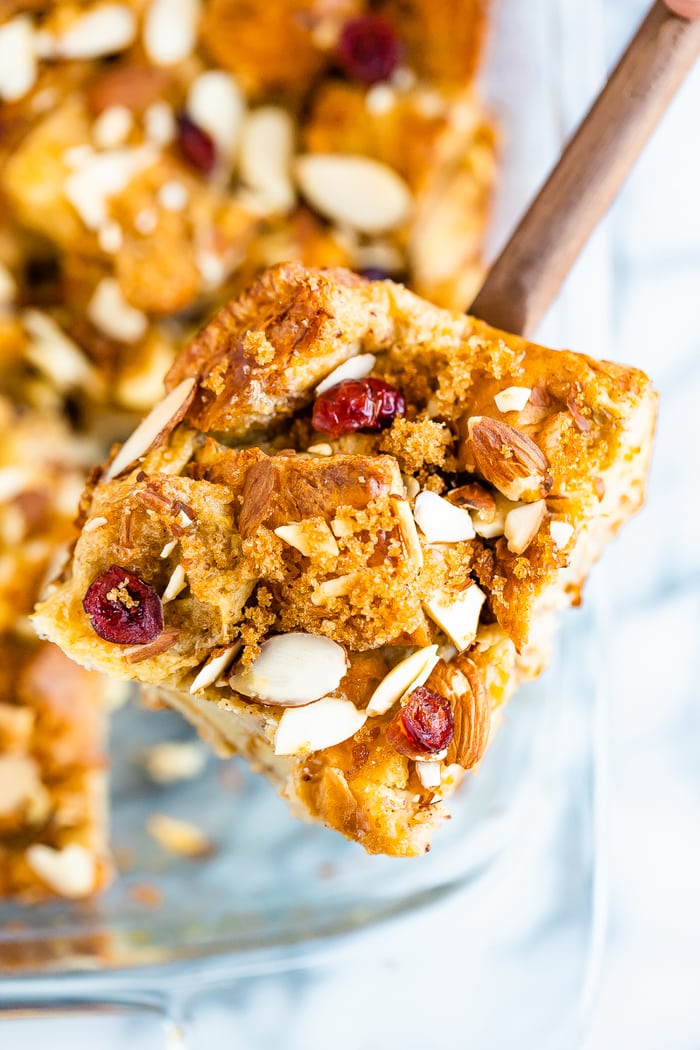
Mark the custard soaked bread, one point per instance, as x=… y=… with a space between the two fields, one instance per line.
x=337 y=544
x=53 y=822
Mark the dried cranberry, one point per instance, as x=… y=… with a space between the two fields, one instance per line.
x=195 y=144
x=368 y=49
x=122 y=608
x=357 y=404
x=424 y=725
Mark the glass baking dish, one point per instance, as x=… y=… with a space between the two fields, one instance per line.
x=273 y=890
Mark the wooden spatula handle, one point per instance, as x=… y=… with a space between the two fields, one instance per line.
x=527 y=275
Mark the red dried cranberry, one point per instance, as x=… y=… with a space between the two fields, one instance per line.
x=368 y=49
x=357 y=404
x=122 y=608
x=195 y=144
x=424 y=725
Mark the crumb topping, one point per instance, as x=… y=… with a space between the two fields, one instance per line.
x=121 y=595
x=447 y=526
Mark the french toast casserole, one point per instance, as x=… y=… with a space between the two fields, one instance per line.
x=337 y=545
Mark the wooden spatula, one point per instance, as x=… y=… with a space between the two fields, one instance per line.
x=529 y=271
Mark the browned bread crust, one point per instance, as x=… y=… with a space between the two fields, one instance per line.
x=296 y=533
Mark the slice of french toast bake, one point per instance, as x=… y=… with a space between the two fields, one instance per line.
x=337 y=544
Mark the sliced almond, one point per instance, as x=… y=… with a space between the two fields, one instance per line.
x=509 y=459
x=159 y=123
x=561 y=532
x=160 y=419
x=136 y=654
x=69 y=872
x=215 y=667
x=217 y=105
x=293 y=669
x=265 y=158
x=441 y=521
x=176 y=584
x=13 y=481
x=99 y=176
x=355 y=191
x=170 y=30
x=458 y=617
x=354 y=368
x=184 y=520
x=18 y=60
x=321 y=449
x=168 y=548
x=513 y=398
x=317 y=726
x=310 y=538
x=174 y=760
x=56 y=355
x=92 y=524
x=113 y=315
x=336 y=587
x=411 y=672
x=178 y=836
x=522 y=525
x=104 y=29
x=429 y=774
x=411 y=485
x=409 y=533
x=112 y=127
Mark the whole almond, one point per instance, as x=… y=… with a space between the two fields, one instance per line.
x=134 y=87
x=461 y=684
x=509 y=459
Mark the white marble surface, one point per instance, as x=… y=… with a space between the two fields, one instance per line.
x=460 y=972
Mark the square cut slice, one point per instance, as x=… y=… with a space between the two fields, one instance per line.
x=349 y=607
x=53 y=819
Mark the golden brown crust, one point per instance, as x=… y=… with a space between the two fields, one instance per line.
x=256 y=359
x=333 y=543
